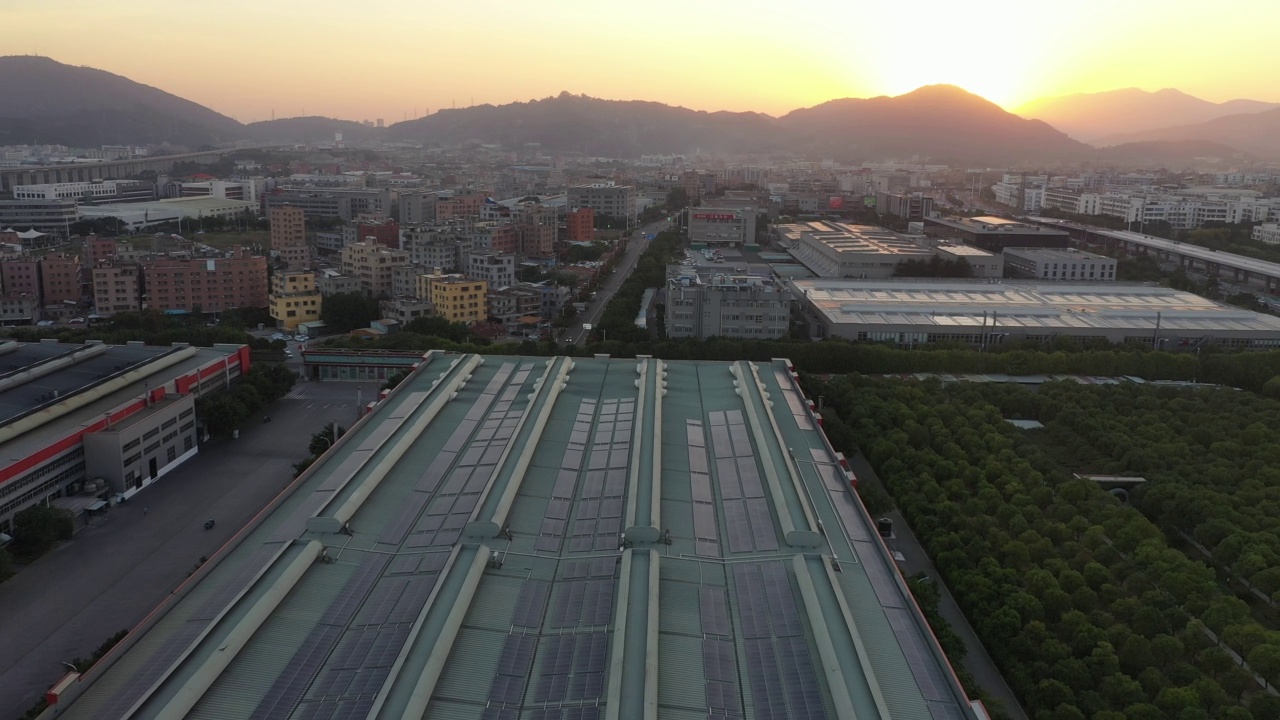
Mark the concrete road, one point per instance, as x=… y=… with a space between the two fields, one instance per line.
x=611 y=284
x=110 y=575
x=976 y=660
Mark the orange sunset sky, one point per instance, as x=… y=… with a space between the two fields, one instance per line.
x=389 y=58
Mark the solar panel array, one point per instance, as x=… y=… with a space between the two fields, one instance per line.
x=180 y=641
x=706 y=531
x=305 y=665
x=596 y=510
x=719 y=659
x=453 y=482
x=796 y=404
x=784 y=682
x=748 y=524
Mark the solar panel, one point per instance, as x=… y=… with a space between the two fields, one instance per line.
x=292 y=682
x=766 y=685
x=531 y=603
x=713 y=609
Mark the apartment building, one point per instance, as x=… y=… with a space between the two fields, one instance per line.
x=459 y=207
x=20 y=276
x=294 y=298
x=417 y=207
x=498 y=238
x=498 y=271
x=206 y=284
x=580 y=225
x=456 y=298
x=905 y=205
x=97 y=249
x=333 y=282
x=535 y=226
x=289 y=236
x=443 y=245
x=404 y=281
x=60 y=279
x=704 y=304
x=373 y=264
x=19 y=309
x=509 y=304
x=606 y=198
x=117 y=287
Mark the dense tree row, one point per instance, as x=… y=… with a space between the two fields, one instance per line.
x=1211 y=460
x=222 y=412
x=619 y=316
x=1080 y=600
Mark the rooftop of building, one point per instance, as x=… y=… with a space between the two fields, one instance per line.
x=103 y=380
x=518 y=537
x=842 y=238
x=990 y=224
x=965 y=250
x=1054 y=254
x=1030 y=306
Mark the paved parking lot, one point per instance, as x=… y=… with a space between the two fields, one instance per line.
x=112 y=574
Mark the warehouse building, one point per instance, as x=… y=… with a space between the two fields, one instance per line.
x=80 y=424
x=994 y=234
x=1067 y=264
x=912 y=312
x=507 y=537
x=840 y=250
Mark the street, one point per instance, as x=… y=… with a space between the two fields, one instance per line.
x=613 y=282
x=112 y=574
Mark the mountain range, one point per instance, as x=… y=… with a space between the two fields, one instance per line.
x=49 y=102
x=1115 y=116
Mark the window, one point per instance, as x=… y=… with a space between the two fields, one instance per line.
x=171 y=453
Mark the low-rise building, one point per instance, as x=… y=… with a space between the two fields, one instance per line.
x=498 y=271
x=405 y=310
x=206 y=284
x=702 y=303
x=332 y=282
x=60 y=279
x=983 y=263
x=373 y=265
x=117 y=287
x=1267 y=233
x=456 y=298
x=294 y=298
x=722 y=227
x=994 y=234
x=1066 y=264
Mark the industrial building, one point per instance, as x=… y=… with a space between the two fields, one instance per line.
x=82 y=422
x=994 y=234
x=914 y=311
x=706 y=302
x=840 y=250
x=1067 y=264
x=507 y=537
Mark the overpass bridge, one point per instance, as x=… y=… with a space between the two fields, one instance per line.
x=105 y=170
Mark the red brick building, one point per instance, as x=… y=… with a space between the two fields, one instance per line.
x=206 y=285
x=460 y=206
x=60 y=279
x=97 y=249
x=386 y=233
x=504 y=239
x=20 y=277
x=580 y=225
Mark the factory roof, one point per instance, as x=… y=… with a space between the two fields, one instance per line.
x=510 y=537
x=1032 y=307
x=1053 y=254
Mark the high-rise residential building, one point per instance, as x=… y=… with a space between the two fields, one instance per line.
x=289 y=236
x=60 y=279
x=294 y=298
x=606 y=198
x=117 y=287
x=580 y=225
x=499 y=238
x=418 y=206
x=456 y=298
x=373 y=264
x=459 y=206
x=206 y=284
x=535 y=225
x=444 y=245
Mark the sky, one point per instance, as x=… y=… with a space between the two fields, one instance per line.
x=397 y=59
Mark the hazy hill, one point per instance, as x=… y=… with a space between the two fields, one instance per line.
x=939 y=122
x=45 y=101
x=310 y=129
x=1253 y=133
x=1169 y=153
x=594 y=127
x=1098 y=116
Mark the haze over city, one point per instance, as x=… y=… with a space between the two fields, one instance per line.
x=399 y=59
